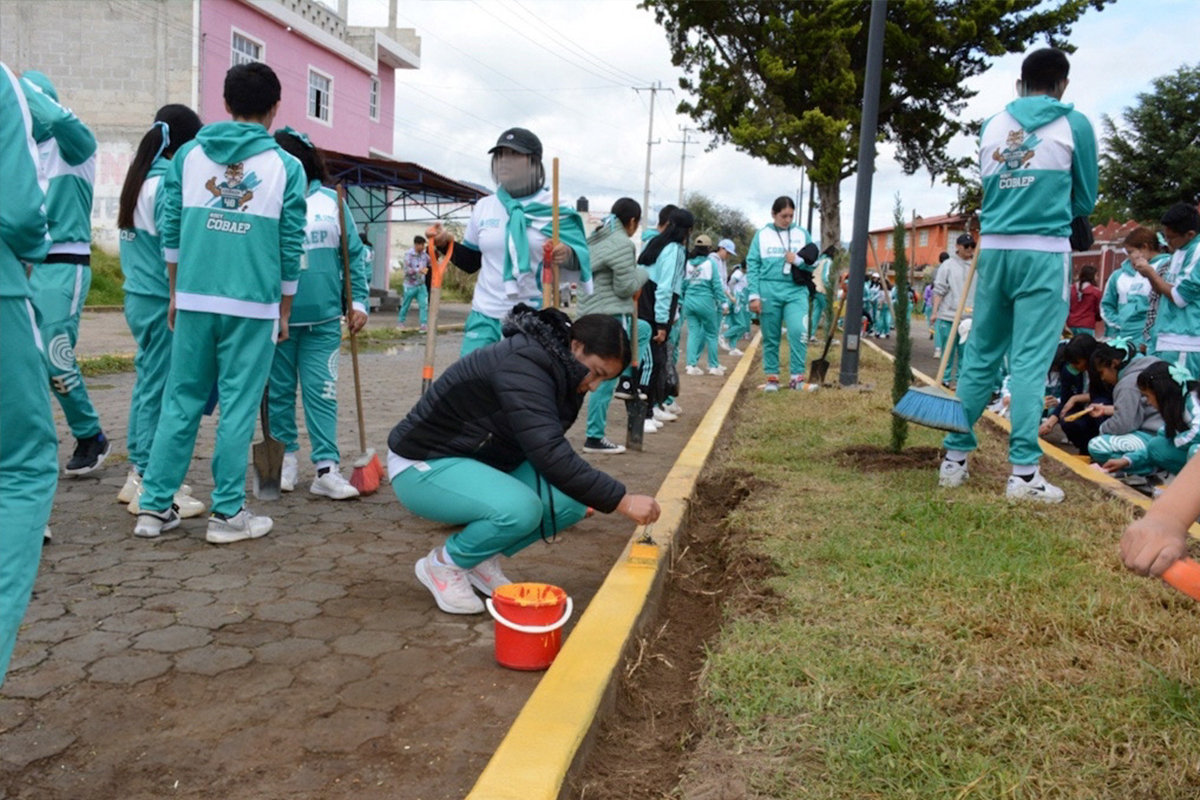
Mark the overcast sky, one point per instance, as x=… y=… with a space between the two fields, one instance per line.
x=564 y=68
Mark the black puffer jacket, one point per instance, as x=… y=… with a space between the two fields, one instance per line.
x=510 y=403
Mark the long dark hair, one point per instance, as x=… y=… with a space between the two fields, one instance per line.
x=174 y=126
x=679 y=228
x=1087 y=274
x=309 y=157
x=604 y=336
x=1115 y=357
x=1170 y=396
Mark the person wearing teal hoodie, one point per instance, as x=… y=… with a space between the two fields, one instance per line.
x=148 y=292
x=60 y=283
x=28 y=441
x=778 y=299
x=665 y=258
x=821 y=273
x=1039 y=169
x=738 y=318
x=1175 y=336
x=232 y=230
x=703 y=296
x=618 y=279
x=1127 y=294
x=313 y=348
x=504 y=239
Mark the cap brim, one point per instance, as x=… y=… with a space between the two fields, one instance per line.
x=516 y=148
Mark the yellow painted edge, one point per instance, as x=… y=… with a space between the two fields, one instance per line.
x=1104 y=481
x=532 y=761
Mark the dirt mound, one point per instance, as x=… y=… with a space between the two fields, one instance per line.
x=870 y=458
x=640 y=747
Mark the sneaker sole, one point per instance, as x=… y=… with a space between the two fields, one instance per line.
x=616 y=451
x=146 y=533
x=325 y=493
x=85 y=470
x=422 y=572
x=230 y=537
x=1034 y=498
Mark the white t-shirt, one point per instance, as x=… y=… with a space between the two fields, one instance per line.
x=488 y=232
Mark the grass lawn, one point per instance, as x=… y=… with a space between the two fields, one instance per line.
x=933 y=643
x=107 y=280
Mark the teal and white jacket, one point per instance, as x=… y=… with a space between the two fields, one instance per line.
x=766 y=262
x=1039 y=169
x=1177 y=326
x=667 y=274
x=1187 y=439
x=702 y=284
x=1126 y=300
x=319 y=295
x=67 y=161
x=738 y=286
x=141 y=249
x=23 y=227
x=233 y=219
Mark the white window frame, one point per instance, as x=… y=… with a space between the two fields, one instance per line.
x=234 y=52
x=373 y=102
x=308 y=97
x=923 y=238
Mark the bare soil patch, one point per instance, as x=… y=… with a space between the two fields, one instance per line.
x=870 y=458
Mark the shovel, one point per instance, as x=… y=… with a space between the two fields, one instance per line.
x=635 y=408
x=820 y=367
x=267 y=457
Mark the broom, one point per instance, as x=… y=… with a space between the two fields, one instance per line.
x=367 y=470
x=933 y=406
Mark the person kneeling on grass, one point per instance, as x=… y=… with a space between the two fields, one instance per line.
x=486 y=448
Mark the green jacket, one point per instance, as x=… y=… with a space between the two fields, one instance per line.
x=615 y=272
x=23 y=227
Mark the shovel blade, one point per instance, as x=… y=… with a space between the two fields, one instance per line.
x=635 y=432
x=818 y=371
x=267 y=457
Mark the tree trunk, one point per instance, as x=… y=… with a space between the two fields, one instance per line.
x=831 y=213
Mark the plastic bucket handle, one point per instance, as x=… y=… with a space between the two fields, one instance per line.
x=534 y=629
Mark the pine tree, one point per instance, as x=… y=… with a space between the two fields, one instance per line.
x=902 y=377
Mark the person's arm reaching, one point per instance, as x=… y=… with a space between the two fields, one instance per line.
x=1156 y=541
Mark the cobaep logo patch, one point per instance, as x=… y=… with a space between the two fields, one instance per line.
x=1018 y=150
x=236 y=191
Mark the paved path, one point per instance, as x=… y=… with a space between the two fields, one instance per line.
x=307 y=664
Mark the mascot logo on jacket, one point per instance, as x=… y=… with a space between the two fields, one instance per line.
x=235 y=191
x=1019 y=150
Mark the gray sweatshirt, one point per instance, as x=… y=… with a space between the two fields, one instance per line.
x=948 y=284
x=1131 y=412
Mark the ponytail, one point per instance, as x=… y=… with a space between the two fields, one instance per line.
x=174 y=126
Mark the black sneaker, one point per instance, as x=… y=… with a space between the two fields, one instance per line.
x=591 y=445
x=624 y=390
x=89 y=454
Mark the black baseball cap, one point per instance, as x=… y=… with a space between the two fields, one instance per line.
x=521 y=140
x=965 y=240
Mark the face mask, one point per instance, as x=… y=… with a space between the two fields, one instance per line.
x=1072 y=369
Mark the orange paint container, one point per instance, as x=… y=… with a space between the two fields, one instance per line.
x=529 y=622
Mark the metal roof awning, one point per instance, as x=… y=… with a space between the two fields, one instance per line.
x=384 y=184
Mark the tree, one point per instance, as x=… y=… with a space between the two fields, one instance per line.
x=718 y=221
x=1153 y=160
x=783 y=81
x=902 y=377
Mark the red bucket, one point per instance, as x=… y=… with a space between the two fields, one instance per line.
x=529 y=621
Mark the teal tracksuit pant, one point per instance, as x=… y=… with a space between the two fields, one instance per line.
x=1024 y=309
x=311 y=355
x=236 y=353
x=703 y=321
x=58 y=294
x=942 y=340
x=739 y=322
x=502 y=512
x=1186 y=359
x=480 y=331
x=147 y=319
x=1124 y=445
x=818 y=310
x=28 y=465
x=421 y=295
x=883 y=319
x=784 y=304
x=599 y=400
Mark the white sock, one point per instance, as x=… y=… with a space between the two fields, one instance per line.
x=1026 y=471
x=957 y=455
x=442 y=558
x=325 y=463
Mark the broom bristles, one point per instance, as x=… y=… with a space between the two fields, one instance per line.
x=367 y=473
x=932 y=408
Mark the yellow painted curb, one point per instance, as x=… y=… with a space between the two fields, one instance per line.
x=1085 y=471
x=533 y=760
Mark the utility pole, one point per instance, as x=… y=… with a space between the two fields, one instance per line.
x=685 y=141
x=650 y=142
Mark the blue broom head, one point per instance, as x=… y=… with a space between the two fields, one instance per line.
x=933 y=408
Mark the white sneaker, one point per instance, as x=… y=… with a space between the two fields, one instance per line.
x=450 y=587
x=662 y=415
x=694 y=370
x=937 y=353
x=486 y=576
x=718 y=371
x=333 y=485
x=1037 y=489
x=952 y=474
x=659 y=424
x=242 y=525
x=185 y=504
x=736 y=352
x=290 y=474
x=133 y=482
x=150 y=524
x=721 y=343
x=674 y=407
x=649 y=427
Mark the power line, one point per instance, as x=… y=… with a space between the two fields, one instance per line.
x=621 y=74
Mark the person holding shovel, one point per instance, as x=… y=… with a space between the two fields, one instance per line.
x=233 y=235
x=313 y=348
x=486 y=449
x=505 y=237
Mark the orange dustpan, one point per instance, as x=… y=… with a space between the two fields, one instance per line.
x=437 y=274
x=1184 y=575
